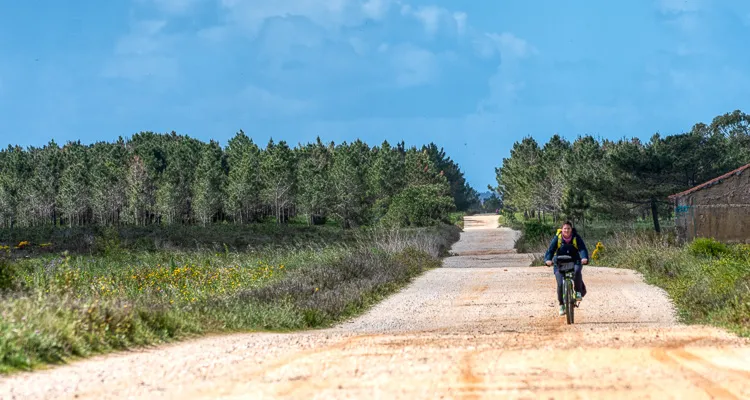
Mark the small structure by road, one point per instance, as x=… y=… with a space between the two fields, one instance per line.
x=718 y=209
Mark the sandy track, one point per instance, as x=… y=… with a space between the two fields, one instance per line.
x=483 y=326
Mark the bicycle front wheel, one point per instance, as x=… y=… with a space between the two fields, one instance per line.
x=570 y=301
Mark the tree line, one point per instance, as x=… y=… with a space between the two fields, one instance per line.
x=155 y=178
x=621 y=179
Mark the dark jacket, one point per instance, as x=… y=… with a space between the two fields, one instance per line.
x=552 y=249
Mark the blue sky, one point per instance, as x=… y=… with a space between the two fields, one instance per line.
x=471 y=76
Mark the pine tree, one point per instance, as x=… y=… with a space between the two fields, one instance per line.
x=14 y=172
x=108 y=181
x=244 y=184
x=386 y=177
x=208 y=184
x=348 y=178
x=173 y=194
x=139 y=193
x=278 y=167
x=74 y=196
x=313 y=177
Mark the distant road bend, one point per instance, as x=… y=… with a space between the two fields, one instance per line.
x=484 y=326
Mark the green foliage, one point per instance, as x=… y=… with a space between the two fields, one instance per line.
x=420 y=205
x=709 y=282
x=279 y=178
x=208 y=186
x=74 y=306
x=349 y=183
x=171 y=179
x=535 y=236
x=244 y=180
x=463 y=195
x=535 y=230
x=457 y=218
x=313 y=175
x=708 y=247
x=95 y=239
x=8 y=274
x=622 y=180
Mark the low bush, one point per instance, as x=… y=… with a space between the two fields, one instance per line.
x=419 y=206
x=708 y=281
x=535 y=237
x=708 y=247
x=100 y=240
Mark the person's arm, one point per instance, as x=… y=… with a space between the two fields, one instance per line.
x=583 y=252
x=551 y=249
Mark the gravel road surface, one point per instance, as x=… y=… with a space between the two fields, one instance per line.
x=483 y=326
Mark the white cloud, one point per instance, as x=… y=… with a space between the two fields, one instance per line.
x=308 y=35
x=144 y=52
x=679 y=6
x=430 y=17
x=376 y=9
x=269 y=104
x=510 y=45
x=215 y=34
x=460 y=18
x=434 y=18
x=684 y=15
x=414 y=66
x=143 y=39
x=173 y=6
x=249 y=15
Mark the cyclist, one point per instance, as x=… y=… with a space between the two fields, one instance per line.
x=568 y=242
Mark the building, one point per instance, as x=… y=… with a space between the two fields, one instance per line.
x=718 y=209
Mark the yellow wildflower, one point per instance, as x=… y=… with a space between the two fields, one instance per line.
x=596 y=253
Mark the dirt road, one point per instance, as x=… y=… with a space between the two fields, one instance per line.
x=484 y=326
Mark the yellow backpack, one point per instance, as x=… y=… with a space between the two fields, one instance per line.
x=559 y=240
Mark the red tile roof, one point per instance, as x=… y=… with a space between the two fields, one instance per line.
x=711 y=182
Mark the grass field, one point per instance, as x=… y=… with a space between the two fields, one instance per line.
x=708 y=281
x=118 y=294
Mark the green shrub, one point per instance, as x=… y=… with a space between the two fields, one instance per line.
x=7 y=274
x=708 y=247
x=457 y=218
x=708 y=281
x=419 y=206
x=535 y=230
x=508 y=219
x=535 y=237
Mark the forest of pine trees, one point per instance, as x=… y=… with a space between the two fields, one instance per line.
x=621 y=179
x=174 y=179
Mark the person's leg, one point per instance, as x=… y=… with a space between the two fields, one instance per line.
x=578 y=280
x=559 y=278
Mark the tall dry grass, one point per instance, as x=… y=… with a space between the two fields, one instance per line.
x=58 y=307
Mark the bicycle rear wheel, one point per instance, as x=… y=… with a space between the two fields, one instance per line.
x=570 y=301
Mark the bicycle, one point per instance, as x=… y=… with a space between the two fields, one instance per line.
x=567 y=267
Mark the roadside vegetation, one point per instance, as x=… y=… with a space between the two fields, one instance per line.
x=158 y=238
x=616 y=192
x=59 y=306
x=709 y=281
